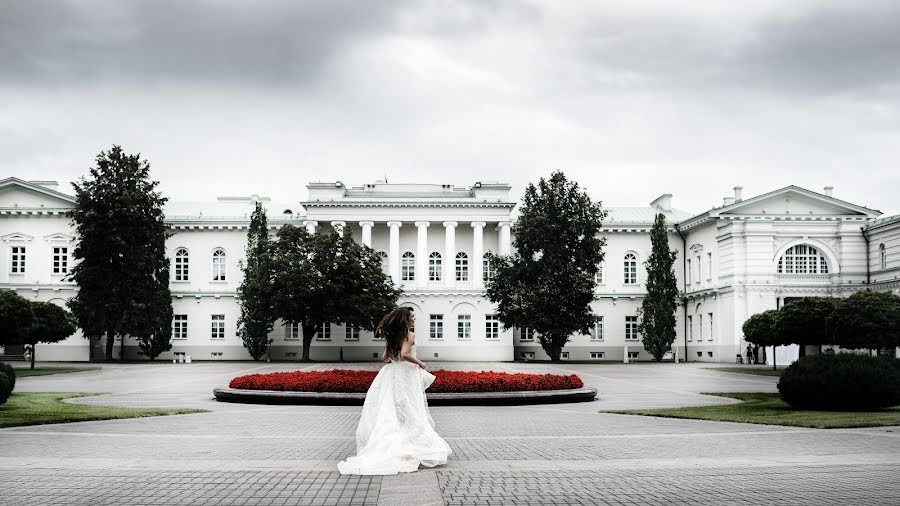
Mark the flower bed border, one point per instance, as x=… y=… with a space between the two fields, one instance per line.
x=584 y=394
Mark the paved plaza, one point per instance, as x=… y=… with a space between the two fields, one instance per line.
x=552 y=454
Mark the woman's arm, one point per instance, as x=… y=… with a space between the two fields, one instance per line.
x=406 y=350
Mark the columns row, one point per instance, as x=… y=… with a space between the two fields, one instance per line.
x=449 y=260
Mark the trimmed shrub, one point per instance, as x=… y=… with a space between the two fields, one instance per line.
x=841 y=382
x=10 y=373
x=5 y=388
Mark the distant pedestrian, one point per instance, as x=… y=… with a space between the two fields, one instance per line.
x=749 y=354
x=755 y=353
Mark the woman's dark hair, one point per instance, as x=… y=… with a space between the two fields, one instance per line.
x=393 y=329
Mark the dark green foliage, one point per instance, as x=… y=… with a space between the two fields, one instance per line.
x=10 y=373
x=121 y=267
x=328 y=278
x=255 y=292
x=16 y=317
x=841 y=382
x=760 y=328
x=657 y=313
x=866 y=320
x=6 y=388
x=52 y=324
x=548 y=283
x=803 y=321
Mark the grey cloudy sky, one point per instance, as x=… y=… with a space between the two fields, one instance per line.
x=233 y=98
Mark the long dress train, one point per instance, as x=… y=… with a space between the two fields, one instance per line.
x=396 y=432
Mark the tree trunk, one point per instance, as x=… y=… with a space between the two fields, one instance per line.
x=122 y=349
x=33 y=353
x=110 y=341
x=555 y=349
x=774 y=365
x=308 y=332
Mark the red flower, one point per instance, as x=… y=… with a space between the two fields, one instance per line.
x=344 y=380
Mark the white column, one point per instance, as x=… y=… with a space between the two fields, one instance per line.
x=477 y=253
x=338 y=226
x=310 y=226
x=450 y=254
x=394 y=252
x=422 y=254
x=504 y=227
x=367 y=232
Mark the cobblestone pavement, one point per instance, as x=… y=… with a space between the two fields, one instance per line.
x=554 y=454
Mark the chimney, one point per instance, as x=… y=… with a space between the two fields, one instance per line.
x=728 y=201
x=829 y=190
x=663 y=203
x=738 y=193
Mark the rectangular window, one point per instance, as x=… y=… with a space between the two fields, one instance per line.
x=564 y=355
x=699 y=273
x=710 y=318
x=709 y=265
x=436 y=326
x=462 y=267
x=464 y=326
x=689 y=273
x=690 y=328
x=434 y=267
x=60 y=260
x=491 y=326
x=631 y=333
x=17 y=260
x=600 y=277
x=527 y=355
x=487 y=273
x=351 y=332
x=218 y=326
x=598 y=355
x=325 y=333
x=633 y=355
x=597 y=332
x=408 y=267
x=291 y=331
x=527 y=334
x=699 y=327
x=179 y=326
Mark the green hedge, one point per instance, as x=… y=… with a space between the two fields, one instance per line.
x=10 y=373
x=841 y=382
x=5 y=388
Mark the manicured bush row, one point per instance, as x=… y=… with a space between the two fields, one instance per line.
x=841 y=382
x=10 y=373
x=5 y=388
x=349 y=381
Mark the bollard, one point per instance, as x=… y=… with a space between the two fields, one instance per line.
x=625 y=359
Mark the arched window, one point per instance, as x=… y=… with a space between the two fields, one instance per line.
x=630 y=269
x=434 y=266
x=802 y=259
x=462 y=266
x=408 y=266
x=181 y=264
x=487 y=271
x=882 y=252
x=384 y=260
x=218 y=264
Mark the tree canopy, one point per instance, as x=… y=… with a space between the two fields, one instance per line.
x=866 y=320
x=548 y=283
x=760 y=328
x=802 y=321
x=121 y=266
x=52 y=324
x=328 y=278
x=657 y=313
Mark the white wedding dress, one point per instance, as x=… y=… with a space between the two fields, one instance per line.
x=396 y=432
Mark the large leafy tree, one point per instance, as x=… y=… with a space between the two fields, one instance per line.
x=255 y=292
x=122 y=271
x=760 y=329
x=52 y=324
x=327 y=278
x=548 y=283
x=657 y=313
x=803 y=321
x=16 y=318
x=866 y=320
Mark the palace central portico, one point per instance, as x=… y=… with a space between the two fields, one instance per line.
x=734 y=260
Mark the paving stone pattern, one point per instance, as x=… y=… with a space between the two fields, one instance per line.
x=548 y=455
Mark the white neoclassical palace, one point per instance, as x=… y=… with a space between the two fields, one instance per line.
x=743 y=257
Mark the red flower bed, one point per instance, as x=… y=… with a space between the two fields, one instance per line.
x=344 y=380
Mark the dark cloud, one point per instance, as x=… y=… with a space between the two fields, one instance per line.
x=260 y=42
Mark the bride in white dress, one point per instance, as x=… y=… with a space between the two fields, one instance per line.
x=396 y=432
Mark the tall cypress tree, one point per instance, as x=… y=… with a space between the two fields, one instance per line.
x=255 y=292
x=656 y=317
x=121 y=266
x=548 y=284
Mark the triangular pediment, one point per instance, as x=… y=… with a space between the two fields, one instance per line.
x=796 y=201
x=16 y=193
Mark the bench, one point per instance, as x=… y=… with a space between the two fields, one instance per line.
x=12 y=358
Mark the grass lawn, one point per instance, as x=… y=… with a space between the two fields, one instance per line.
x=22 y=372
x=759 y=371
x=36 y=408
x=769 y=409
